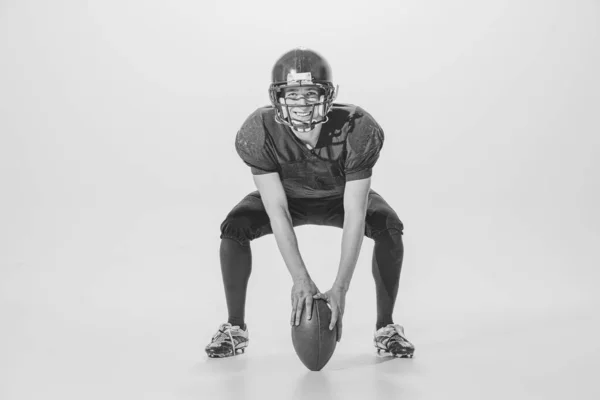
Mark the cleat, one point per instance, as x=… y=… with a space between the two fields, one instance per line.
x=227 y=341
x=391 y=341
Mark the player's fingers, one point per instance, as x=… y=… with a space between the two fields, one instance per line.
x=322 y=296
x=334 y=317
x=339 y=329
x=294 y=304
x=309 y=305
x=299 y=312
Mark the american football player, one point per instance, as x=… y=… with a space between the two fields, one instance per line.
x=312 y=162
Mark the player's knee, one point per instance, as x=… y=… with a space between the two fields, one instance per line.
x=238 y=228
x=385 y=224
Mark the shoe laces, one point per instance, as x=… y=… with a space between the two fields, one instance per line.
x=392 y=329
x=223 y=334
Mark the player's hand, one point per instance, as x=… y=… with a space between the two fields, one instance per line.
x=302 y=294
x=336 y=297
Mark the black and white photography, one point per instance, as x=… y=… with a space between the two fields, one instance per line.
x=337 y=200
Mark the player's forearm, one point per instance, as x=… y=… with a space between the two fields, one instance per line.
x=283 y=230
x=352 y=237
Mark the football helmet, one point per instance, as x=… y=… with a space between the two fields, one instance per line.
x=302 y=68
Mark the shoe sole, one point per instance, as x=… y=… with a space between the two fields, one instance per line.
x=396 y=355
x=241 y=350
x=383 y=353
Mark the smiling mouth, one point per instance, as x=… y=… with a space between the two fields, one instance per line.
x=302 y=114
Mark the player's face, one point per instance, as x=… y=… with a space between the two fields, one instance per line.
x=301 y=100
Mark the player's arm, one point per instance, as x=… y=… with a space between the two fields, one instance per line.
x=364 y=146
x=275 y=202
x=355 y=209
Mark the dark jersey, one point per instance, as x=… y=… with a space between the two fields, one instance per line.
x=347 y=149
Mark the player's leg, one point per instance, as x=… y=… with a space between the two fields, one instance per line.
x=241 y=225
x=247 y=221
x=386 y=229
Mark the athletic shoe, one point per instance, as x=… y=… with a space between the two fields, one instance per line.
x=391 y=341
x=227 y=341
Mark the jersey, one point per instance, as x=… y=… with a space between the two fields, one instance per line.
x=347 y=149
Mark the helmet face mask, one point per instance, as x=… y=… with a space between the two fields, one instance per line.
x=314 y=108
x=303 y=70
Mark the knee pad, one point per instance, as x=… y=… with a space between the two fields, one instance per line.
x=241 y=228
x=238 y=228
x=385 y=224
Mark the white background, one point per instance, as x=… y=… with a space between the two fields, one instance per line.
x=117 y=166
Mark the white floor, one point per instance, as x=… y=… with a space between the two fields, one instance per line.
x=530 y=356
x=93 y=312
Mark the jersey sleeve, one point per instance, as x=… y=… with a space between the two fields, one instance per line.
x=252 y=145
x=364 y=144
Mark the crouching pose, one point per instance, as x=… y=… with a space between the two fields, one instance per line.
x=312 y=162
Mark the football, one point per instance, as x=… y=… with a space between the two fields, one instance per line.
x=313 y=341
